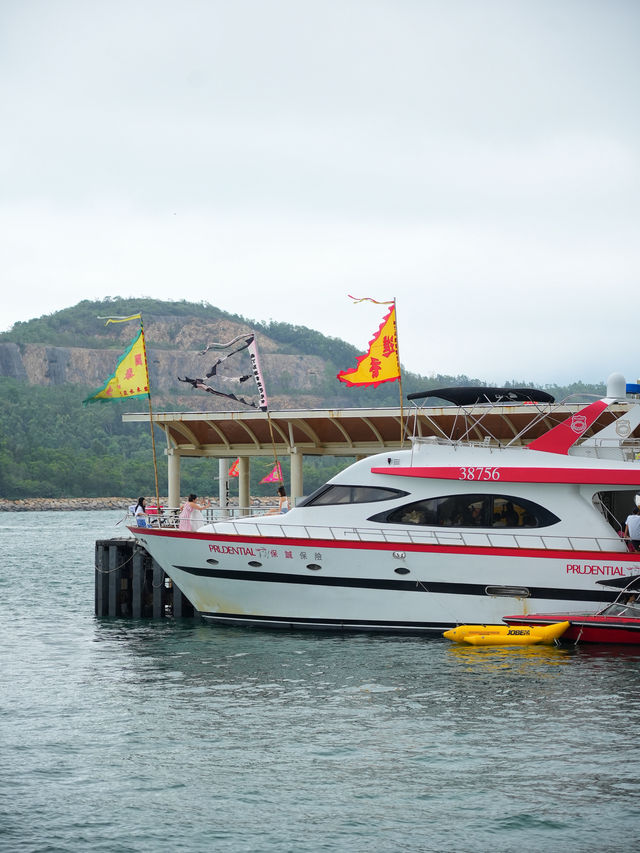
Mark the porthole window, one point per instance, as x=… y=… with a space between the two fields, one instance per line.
x=508 y=591
x=254 y=564
x=401 y=570
x=212 y=561
x=314 y=567
x=471 y=510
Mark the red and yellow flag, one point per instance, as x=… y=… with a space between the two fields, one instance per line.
x=233 y=471
x=131 y=378
x=380 y=364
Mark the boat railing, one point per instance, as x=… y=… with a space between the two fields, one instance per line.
x=246 y=521
x=170 y=516
x=627 y=450
x=454 y=538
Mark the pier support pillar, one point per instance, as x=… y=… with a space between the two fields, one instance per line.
x=297 y=486
x=158 y=591
x=181 y=607
x=102 y=581
x=223 y=483
x=137 y=585
x=115 y=574
x=173 y=480
x=244 y=497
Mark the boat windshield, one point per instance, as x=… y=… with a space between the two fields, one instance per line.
x=338 y=494
x=630 y=608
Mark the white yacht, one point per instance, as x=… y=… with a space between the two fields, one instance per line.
x=442 y=533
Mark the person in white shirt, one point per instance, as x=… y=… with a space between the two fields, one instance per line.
x=140 y=513
x=632 y=529
x=283 y=503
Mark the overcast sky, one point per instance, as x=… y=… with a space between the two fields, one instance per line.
x=478 y=160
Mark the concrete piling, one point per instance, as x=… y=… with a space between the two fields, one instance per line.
x=130 y=584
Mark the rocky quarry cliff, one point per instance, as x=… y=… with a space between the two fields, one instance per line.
x=174 y=347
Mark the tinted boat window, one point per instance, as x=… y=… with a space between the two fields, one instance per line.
x=475 y=510
x=350 y=495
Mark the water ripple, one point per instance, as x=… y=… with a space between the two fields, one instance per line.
x=138 y=736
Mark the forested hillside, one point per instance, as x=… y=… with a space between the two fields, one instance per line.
x=50 y=446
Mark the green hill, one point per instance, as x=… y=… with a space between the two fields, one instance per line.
x=50 y=446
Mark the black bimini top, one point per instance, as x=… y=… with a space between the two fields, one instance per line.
x=470 y=395
x=627 y=582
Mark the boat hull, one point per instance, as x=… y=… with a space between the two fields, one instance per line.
x=587 y=628
x=354 y=585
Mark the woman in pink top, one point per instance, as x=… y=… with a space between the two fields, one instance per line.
x=190 y=517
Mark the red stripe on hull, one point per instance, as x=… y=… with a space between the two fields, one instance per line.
x=500 y=474
x=620 y=557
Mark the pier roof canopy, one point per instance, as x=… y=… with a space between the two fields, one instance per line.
x=352 y=432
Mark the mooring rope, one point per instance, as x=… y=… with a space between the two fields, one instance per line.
x=102 y=571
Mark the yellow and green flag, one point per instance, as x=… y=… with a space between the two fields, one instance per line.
x=131 y=377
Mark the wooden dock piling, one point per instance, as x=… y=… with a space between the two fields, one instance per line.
x=130 y=584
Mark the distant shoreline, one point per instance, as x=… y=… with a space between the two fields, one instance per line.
x=60 y=504
x=89 y=504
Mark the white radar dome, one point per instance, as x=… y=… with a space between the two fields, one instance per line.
x=616 y=386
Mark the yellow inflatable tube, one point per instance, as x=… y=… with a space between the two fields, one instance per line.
x=506 y=635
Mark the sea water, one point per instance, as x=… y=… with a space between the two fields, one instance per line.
x=124 y=735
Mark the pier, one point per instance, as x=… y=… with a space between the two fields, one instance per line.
x=129 y=584
x=343 y=433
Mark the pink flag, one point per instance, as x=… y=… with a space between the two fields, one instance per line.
x=275 y=476
x=233 y=471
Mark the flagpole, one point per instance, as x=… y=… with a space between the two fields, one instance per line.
x=263 y=400
x=153 y=439
x=273 y=445
x=395 y=320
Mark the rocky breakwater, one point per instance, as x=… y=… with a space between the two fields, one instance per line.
x=86 y=504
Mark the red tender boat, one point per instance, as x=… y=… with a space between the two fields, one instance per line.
x=618 y=622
